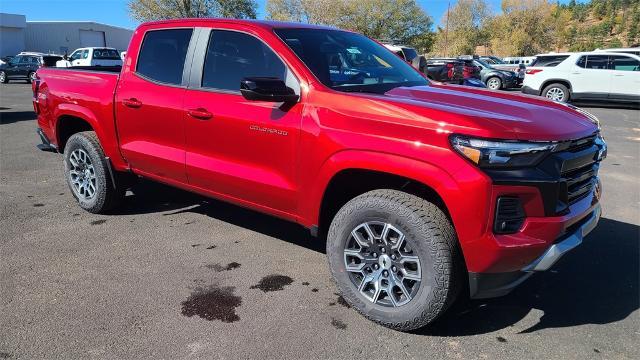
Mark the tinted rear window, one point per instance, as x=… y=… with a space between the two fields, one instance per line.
x=162 y=55
x=106 y=54
x=624 y=63
x=549 y=61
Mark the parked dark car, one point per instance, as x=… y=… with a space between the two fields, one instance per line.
x=24 y=67
x=497 y=79
x=444 y=70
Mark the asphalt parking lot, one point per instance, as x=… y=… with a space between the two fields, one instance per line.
x=176 y=275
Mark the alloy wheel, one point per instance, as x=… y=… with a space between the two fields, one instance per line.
x=82 y=174
x=2 y=76
x=493 y=84
x=32 y=76
x=381 y=264
x=555 y=94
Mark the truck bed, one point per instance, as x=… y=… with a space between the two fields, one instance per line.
x=87 y=93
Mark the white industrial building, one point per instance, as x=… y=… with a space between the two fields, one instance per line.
x=60 y=37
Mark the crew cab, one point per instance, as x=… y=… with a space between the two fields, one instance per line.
x=92 y=56
x=591 y=76
x=423 y=192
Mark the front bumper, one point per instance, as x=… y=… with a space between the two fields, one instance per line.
x=488 y=285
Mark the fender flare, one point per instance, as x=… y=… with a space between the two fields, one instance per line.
x=77 y=111
x=417 y=170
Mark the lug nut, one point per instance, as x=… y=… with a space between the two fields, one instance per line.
x=383 y=250
x=376 y=266
x=393 y=257
x=394 y=269
x=385 y=273
x=375 y=255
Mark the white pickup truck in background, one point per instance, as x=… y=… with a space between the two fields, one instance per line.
x=92 y=56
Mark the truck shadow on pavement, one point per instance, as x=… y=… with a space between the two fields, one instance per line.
x=9 y=117
x=152 y=197
x=597 y=283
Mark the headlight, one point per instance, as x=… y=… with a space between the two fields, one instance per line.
x=500 y=154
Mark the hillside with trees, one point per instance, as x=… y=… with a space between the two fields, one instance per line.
x=518 y=28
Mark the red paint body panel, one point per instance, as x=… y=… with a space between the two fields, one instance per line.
x=280 y=161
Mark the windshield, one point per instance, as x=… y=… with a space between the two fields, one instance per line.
x=494 y=60
x=484 y=64
x=350 y=62
x=106 y=54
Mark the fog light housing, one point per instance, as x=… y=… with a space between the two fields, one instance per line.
x=509 y=215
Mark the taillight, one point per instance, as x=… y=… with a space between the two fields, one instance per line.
x=532 y=71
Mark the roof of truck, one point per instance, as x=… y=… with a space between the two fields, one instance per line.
x=268 y=24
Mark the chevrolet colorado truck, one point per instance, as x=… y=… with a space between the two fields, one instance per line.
x=423 y=192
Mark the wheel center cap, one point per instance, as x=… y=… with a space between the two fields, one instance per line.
x=385 y=262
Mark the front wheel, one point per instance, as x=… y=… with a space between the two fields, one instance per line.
x=556 y=92
x=394 y=258
x=3 y=77
x=87 y=174
x=31 y=77
x=494 y=83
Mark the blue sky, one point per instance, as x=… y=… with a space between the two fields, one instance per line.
x=114 y=12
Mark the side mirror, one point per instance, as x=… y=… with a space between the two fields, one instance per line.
x=267 y=89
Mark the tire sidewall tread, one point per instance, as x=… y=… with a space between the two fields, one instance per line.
x=107 y=197
x=431 y=235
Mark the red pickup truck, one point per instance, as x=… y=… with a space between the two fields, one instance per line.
x=423 y=192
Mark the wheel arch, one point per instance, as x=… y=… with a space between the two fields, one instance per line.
x=548 y=82
x=67 y=125
x=352 y=182
x=350 y=173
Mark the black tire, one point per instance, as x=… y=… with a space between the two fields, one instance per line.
x=30 y=76
x=5 y=79
x=106 y=196
x=431 y=237
x=557 y=88
x=496 y=80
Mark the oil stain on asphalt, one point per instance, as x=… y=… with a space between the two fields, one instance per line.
x=273 y=283
x=338 y=324
x=340 y=301
x=98 y=222
x=213 y=303
x=220 y=268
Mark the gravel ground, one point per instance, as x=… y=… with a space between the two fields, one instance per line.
x=176 y=275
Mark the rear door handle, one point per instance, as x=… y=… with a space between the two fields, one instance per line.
x=200 y=113
x=132 y=103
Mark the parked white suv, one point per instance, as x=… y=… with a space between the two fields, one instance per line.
x=92 y=56
x=584 y=76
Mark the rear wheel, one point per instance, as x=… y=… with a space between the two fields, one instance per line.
x=556 y=92
x=31 y=77
x=87 y=174
x=494 y=83
x=394 y=258
x=3 y=77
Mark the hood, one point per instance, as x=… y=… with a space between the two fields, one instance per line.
x=520 y=116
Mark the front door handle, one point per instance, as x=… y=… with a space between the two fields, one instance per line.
x=132 y=103
x=200 y=113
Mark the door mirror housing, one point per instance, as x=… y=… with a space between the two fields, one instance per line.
x=267 y=89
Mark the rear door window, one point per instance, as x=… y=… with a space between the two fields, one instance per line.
x=596 y=62
x=232 y=56
x=162 y=55
x=624 y=63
